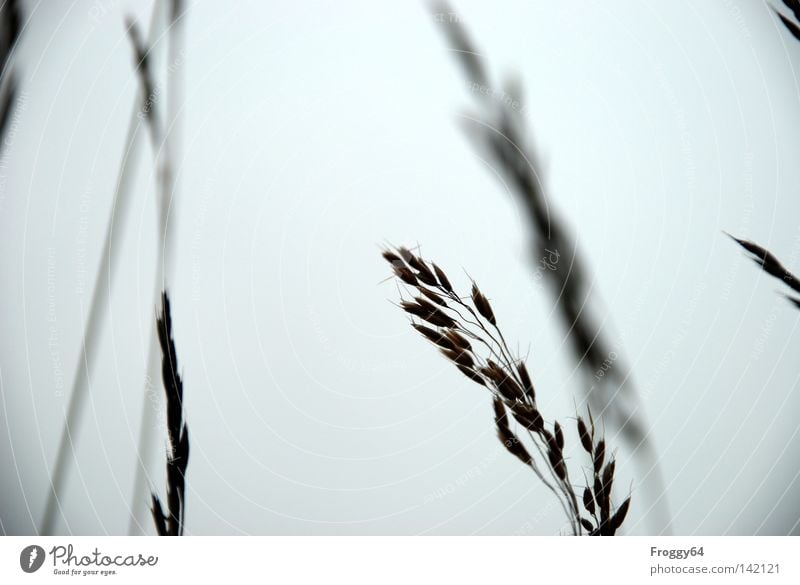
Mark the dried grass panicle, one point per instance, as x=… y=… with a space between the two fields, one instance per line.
x=482 y=304
x=172 y=523
x=465 y=331
x=770 y=264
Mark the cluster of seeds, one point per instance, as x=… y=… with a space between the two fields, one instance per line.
x=171 y=523
x=467 y=334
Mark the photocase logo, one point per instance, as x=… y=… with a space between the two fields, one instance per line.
x=31 y=558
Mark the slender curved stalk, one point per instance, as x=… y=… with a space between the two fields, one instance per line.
x=10 y=29
x=98 y=308
x=500 y=130
x=166 y=146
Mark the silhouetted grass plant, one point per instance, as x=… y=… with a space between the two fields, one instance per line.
x=103 y=284
x=466 y=331
x=768 y=262
x=172 y=523
x=163 y=122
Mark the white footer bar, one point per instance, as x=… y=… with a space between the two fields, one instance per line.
x=401 y=560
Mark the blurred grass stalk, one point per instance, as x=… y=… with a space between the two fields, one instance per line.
x=499 y=130
x=10 y=29
x=101 y=293
x=166 y=146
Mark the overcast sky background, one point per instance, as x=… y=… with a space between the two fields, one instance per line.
x=315 y=132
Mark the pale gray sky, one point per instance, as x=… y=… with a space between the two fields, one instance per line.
x=315 y=132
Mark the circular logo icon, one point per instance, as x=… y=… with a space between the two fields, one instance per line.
x=31 y=558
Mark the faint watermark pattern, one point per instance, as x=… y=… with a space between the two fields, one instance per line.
x=80 y=240
x=333 y=350
x=548 y=262
x=680 y=336
x=446 y=16
x=499 y=95
x=153 y=395
x=744 y=223
x=100 y=9
x=606 y=365
x=199 y=227
x=462 y=480
x=52 y=325
x=685 y=137
x=738 y=17
x=155 y=94
x=532 y=524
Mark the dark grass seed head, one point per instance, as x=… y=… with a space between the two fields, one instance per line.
x=482 y=305
x=527 y=384
x=530 y=420
x=608 y=476
x=458 y=357
x=406 y=255
x=619 y=517
x=405 y=275
x=599 y=455
x=471 y=374
x=583 y=433
x=588 y=501
x=433 y=296
x=435 y=337
x=509 y=389
x=443 y=280
x=426 y=275
x=393 y=258
x=427 y=312
x=458 y=339
x=559 y=435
